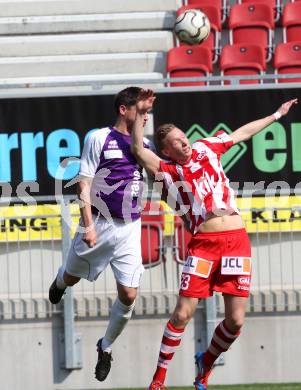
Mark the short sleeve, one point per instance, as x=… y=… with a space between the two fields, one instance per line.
x=168 y=172
x=148 y=144
x=219 y=143
x=90 y=156
x=167 y=167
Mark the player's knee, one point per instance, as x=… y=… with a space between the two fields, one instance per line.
x=70 y=280
x=128 y=301
x=235 y=324
x=128 y=297
x=180 y=319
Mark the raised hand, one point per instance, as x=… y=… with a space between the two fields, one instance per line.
x=145 y=101
x=285 y=107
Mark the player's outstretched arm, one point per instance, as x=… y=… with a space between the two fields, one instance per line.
x=145 y=157
x=247 y=131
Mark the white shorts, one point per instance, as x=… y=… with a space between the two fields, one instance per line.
x=118 y=244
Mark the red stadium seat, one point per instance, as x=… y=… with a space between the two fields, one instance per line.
x=291 y=22
x=275 y=4
x=288 y=60
x=181 y=240
x=220 y=4
x=213 y=14
x=252 y=23
x=152 y=225
x=189 y=61
x=241 y=59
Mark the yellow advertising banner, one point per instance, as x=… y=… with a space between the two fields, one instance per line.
x=262 y=214
x=43 y=222
x=34 y=222
x=271 y=214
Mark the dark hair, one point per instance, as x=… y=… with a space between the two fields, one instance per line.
x=127 y=97
x=160 y=134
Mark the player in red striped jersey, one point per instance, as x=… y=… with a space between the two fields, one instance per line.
x=219 y=253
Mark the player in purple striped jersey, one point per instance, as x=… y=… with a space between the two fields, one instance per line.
x=109 y=189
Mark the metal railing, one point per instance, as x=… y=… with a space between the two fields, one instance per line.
x=94 y=84
x=31 y=252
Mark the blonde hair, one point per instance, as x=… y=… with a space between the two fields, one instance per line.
x=160 y=134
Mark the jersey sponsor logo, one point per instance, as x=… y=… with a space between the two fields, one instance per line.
x=236 y=265
x=244 y=288
x=205 y=184
x=113 y=144
x=197 y=266
x=135 y=186
x=244 y=280
x=117 y=153
x=201 y=155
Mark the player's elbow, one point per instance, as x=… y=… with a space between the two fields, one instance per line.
x=83 y=185
x=152 y=171
x=138 y=153
x=237 y=138
x=148 y=165
x=136 y=150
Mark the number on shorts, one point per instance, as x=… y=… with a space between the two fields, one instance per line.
x=185 y=280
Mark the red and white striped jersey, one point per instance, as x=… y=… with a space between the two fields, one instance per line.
x=200 y=186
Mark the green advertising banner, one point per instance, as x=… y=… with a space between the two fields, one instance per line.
x=273 y=155
x=36 y=134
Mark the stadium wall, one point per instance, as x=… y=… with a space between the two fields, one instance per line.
x=267 y=352
x=32 y=330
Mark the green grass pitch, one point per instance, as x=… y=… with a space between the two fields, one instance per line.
x=288 y=386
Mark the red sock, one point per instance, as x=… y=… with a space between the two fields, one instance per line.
x=170 y=341
x=221 y=341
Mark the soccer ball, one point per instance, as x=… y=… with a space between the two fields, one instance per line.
x=192 y=27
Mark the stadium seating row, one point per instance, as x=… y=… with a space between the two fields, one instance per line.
x=236 y=59
x=224 y=9
x=251 y=45
x=251 y=22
